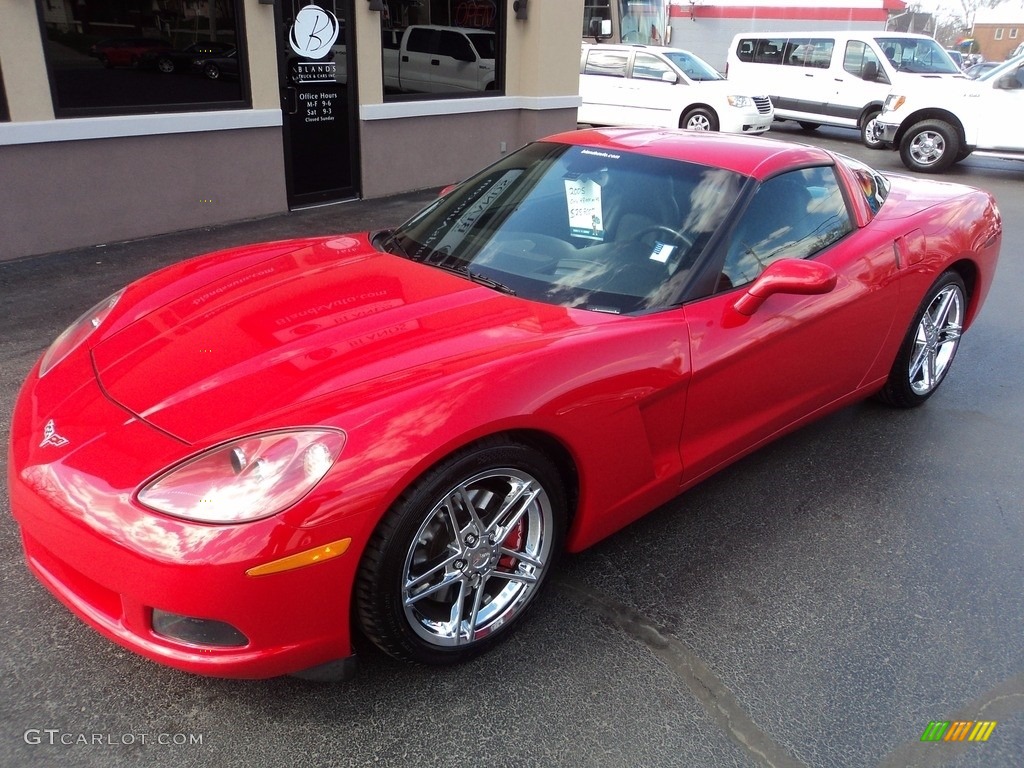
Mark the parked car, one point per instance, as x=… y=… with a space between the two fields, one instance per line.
x=126 y=51
x=180 y=60
x=935 y=125
x=835 y=78
x=957 y=57
x=643 y=85
x=216 y=66
x=976 y=71
x=232 y=465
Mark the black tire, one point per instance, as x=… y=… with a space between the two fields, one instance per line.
x=930 y=345
x=930 y=146
x=165 y=65
x=211 y=70
x=867 y=130
x=699 y=119
x=439 y=584
x=808 y=126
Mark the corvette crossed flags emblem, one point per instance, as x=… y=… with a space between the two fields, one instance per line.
x=50 y=436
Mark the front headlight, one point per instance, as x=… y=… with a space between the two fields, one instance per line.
x=740 y=101
x=246 y=479
x=893 y=102
x=77 y=332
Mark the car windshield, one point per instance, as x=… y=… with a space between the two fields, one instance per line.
x=693 y=67
x=917 y=56
x=598 y=229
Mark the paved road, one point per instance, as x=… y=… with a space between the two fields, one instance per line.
x=817 y=604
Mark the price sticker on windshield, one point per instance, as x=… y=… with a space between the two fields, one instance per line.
x=583 y=197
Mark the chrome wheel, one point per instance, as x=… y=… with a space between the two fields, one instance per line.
x=476 y=559
x=930 y=146
x=938 y=336
x=699 y=119
x=929 y=345
x=867 y=134
x=927 y=147
x=456 y=562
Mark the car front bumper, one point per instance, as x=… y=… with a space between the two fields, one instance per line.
x=746 y=122
x=886 y=132
x=118 y=565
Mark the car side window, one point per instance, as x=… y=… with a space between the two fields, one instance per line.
x=862 y=62
x=794 y=215
x=648 y=67
x=606 y=63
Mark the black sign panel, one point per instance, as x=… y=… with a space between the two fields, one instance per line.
x=318 y=100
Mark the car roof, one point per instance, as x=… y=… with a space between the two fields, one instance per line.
x=752 y=156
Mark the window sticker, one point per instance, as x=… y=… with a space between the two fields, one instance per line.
x=583 y=197
x=662 y=252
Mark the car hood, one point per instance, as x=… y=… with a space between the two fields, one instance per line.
x=300 y=325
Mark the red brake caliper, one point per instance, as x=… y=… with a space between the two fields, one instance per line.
x=513 y=541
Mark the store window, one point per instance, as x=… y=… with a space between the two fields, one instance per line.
x=117 y=57
x=441 y=49
x=5 y=115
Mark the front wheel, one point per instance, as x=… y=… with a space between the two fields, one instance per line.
x=699 y=119
x=455 y=563
x=930 y=146
x=867 y=131
x=211 y=70
x=930 y=344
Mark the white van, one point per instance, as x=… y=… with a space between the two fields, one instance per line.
x=834 y=78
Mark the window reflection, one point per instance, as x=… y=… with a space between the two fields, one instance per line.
x=126 y=56
x=442 y=47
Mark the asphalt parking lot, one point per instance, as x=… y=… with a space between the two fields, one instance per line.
x=817 y=604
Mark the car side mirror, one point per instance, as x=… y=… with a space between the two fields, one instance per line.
x=600 y=29
x=668 y=77
x=793 y=276
x=1007 y=83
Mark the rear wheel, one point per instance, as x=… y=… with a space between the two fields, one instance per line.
x=699 y=119
x=930 y=146
x=165 y=65
x=455 y=563
x=930 y=344
x=809 y=126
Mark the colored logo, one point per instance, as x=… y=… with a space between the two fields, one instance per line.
x=313 y=32
x=958 y=730
x=50 y=436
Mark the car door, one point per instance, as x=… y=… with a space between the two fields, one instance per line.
x=654 y=91
x=755 y=375
x=604 y=88
x=860 y=81
x=1001 y=106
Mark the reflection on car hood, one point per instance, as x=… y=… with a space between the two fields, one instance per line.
x=330 y=315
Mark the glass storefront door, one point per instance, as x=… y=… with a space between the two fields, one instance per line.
x=316 y=55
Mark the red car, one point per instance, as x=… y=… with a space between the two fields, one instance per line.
x=127 y=51
x=233 y=465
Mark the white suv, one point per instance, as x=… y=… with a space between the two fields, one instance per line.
x=934 y=125
x=668 y=87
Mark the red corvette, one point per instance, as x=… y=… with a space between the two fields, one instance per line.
x=233 y=465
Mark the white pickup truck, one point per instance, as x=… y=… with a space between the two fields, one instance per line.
x=428 y=59
x=934 y=125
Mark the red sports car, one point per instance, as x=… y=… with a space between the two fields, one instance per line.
x=233 y=465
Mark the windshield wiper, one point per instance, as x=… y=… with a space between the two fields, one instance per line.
x=476 y=277
x=490 y=282
x=390 y=243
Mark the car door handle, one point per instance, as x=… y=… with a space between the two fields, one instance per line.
x=435 y=62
